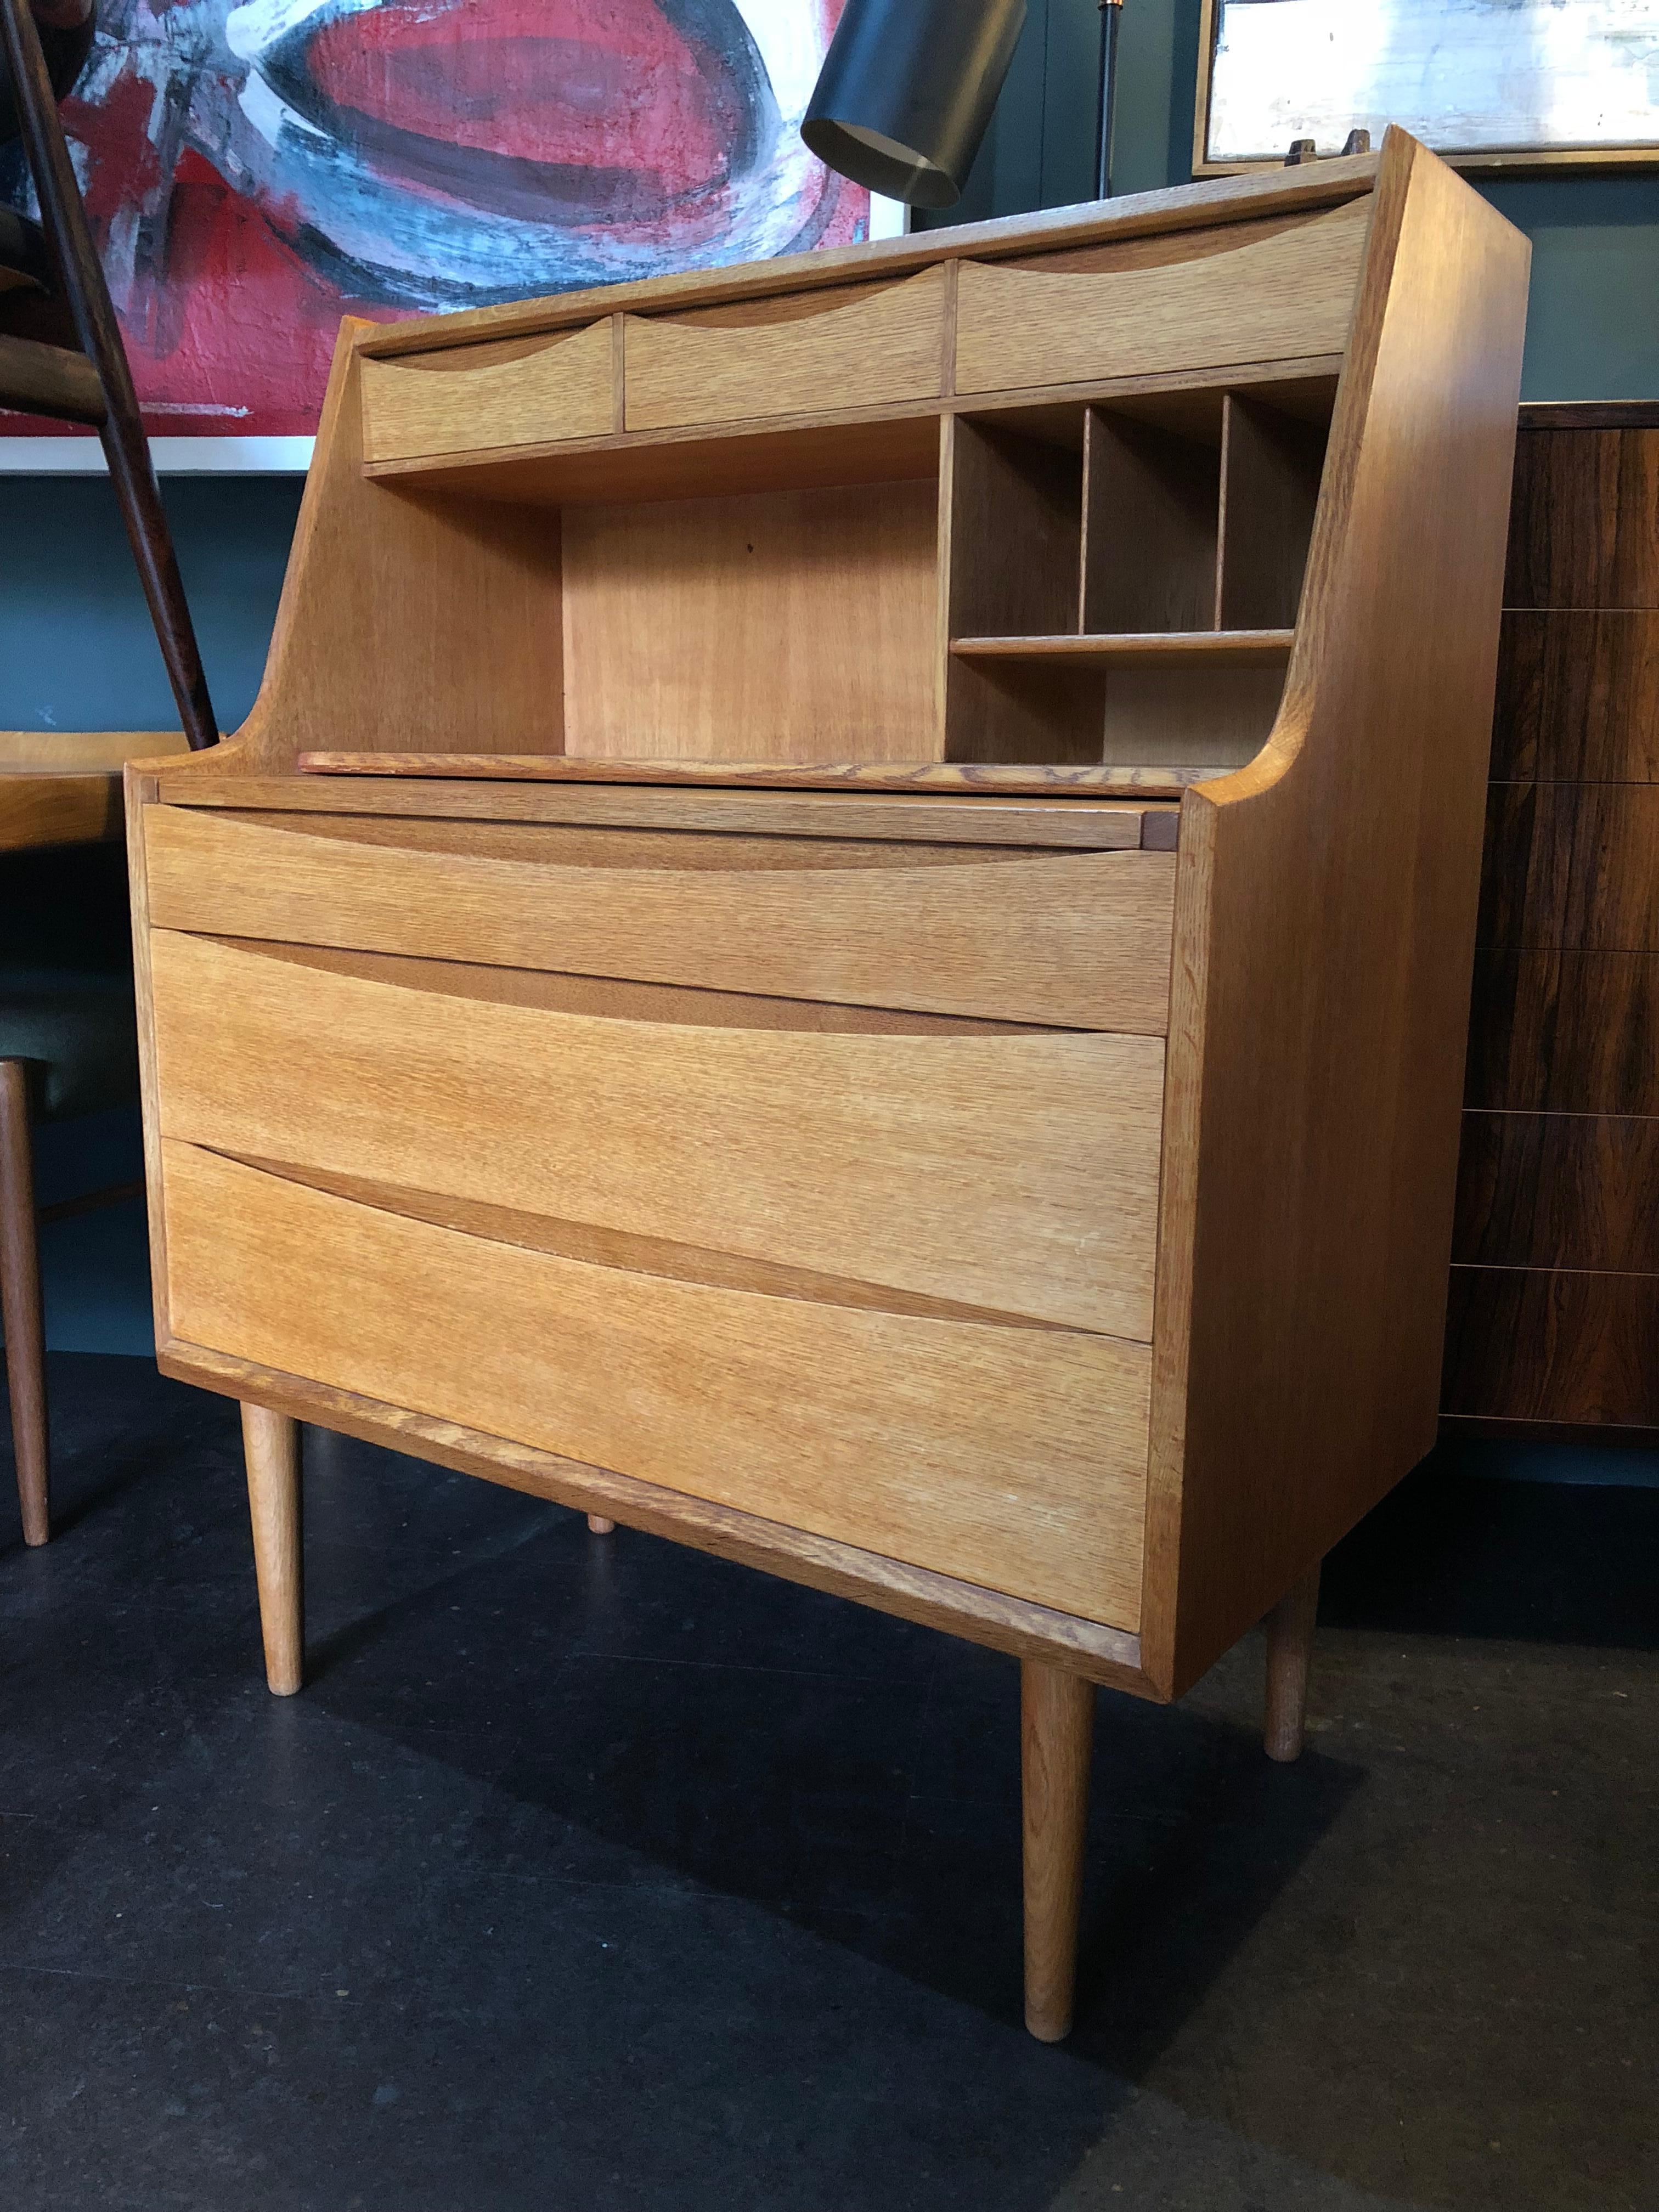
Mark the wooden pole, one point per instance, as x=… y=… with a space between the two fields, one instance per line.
x=1289 y=1649
x=20 y=1304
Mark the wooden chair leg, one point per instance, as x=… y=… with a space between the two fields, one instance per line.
x=600 y=1526
x=1290 y=1648
x=270 y=1445
x=20 y=1304
x=1057 y=1712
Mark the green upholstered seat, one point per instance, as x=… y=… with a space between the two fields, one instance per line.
x=75 y=1029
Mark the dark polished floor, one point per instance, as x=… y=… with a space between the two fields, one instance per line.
x=589 y=1873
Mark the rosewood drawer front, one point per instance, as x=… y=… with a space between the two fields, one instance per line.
x=1012 y=1174
x=1014 y=1458
x=796 y=356
x=470 y=399
x=1079 y=940
x=1283 y=298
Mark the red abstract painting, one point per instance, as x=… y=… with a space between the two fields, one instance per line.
x=255 y=172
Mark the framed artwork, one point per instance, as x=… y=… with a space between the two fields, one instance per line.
x=255 y=171
x=1513 y=84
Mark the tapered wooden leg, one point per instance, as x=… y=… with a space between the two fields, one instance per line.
x=600 y=1526
x=20 y=1304
x=1056 y=1714
x=1290 y=1647
x=270 y=1444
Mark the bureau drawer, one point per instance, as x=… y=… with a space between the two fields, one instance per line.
x=1283 y=298
x=470 y=399
x=1012 y=1458
x=803 y=354
x=1015 y=1174
x=1080 y=940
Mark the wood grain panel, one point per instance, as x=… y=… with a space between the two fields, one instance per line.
x=610 y=998
x=1584 y=520
x=1081 y=941
x=450 y=403
x=406 y=620
x=63 y=787
x=885 y=346
x=1578 y=698
x=1325 y=924
x=1278 y=299
x=1184 y=209
x=39 y=811
x=1572 y=867
x=1271 y=467
x=84 y=752
x=1012 y=1458
x=639 y=1255
x=1085 y=822
x=1152 y=504
x=1564 y=1032
x=795 y=625
x=579 y=847
x=1014 y=1173
x=1107 y=1656
x=1127 y=782
x=1558 y=1190
x=1548 y=1345
x=1010 y=523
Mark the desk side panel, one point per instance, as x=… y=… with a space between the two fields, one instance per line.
x=1324 y=930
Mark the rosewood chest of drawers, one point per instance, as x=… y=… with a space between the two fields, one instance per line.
x=843 y=929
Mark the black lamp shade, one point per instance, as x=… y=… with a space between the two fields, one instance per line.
x=906 y=91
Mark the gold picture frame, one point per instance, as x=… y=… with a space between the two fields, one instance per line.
x=1590 y=57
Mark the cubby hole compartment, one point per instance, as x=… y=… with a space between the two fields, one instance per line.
x=1015 y=522
x=1149 y=707
x=1271 y=461
x=1013 y=536
x=1151 y=511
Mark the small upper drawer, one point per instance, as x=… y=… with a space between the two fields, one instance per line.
x=792 y=355
x=1283 y=298
x=473 y=398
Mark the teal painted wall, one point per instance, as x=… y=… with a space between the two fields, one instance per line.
x=75 y=648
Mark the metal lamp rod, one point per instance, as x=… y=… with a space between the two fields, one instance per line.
x=1106 y=112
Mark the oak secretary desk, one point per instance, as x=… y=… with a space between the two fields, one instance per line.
x=842 y=930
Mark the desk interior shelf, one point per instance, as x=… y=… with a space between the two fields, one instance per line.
x=1102 y=583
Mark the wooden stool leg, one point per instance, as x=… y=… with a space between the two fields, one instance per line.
x=1057 y=1712
x=1290 y=1647
x=20 y=1302
x=599 y=1526
x=270 y=1444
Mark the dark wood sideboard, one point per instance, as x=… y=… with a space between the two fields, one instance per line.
x=1553 y=1327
